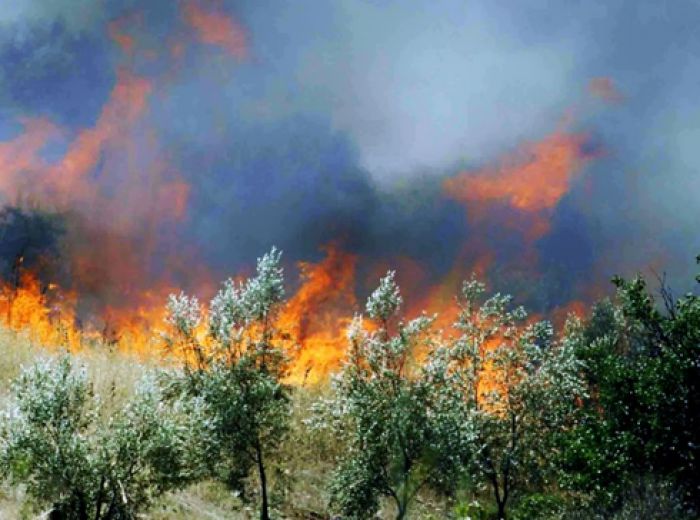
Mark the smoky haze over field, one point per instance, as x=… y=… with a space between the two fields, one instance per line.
x=185 y=138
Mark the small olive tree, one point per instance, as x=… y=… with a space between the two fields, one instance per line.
x=384 y=400
x=237 y=371
x=512 y=387
x=54 y=439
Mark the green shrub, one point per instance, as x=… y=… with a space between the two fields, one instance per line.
x=509 y=392
x=642 y=365
x=54 y=440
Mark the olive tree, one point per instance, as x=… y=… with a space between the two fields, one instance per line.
x=383 y=399
x=513 y=389
x=54 y=439
x=237 y=370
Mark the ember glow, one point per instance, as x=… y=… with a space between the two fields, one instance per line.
x=177 y=142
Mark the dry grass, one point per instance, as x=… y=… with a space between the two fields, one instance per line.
x=298 y=485
x=298 y=477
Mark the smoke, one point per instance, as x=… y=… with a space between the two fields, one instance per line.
x=544 y=146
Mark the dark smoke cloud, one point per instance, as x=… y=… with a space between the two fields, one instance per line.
x=45 y=67
x=345 y=117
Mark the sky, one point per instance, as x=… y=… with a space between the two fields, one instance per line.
x=200 y=132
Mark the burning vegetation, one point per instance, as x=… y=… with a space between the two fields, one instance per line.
x=131 y=226
x=62 y=273
x=209 y=139
x=502 y=409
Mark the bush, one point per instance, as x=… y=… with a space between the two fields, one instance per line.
x=642 y=364
x=55 y=440
x=510 y=392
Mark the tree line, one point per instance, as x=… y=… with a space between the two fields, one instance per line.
x=536 y=423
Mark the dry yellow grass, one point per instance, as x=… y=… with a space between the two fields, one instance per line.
x=299 y=486
x=298 y=477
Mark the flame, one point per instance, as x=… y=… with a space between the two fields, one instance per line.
x=118 y=188
x=314 y=318
x=531 y=182
x=114 y=230
x=125 y=200
x=136 y=329
x=577 y=308
x=46 y=314
x=319 y=312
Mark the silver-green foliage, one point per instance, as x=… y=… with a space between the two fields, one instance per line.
x=510 y=390
x=54 y=439
x=384 y=400
x=488 y=405
x=237 y=373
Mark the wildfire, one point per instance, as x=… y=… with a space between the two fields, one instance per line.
x=47 y=314
x=125 y=200
x=315 y=318
x=318 y=314
x=530 y=182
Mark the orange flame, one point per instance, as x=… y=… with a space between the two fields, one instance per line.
x=121 y=225
x=46 y=314
x=532 y=181
x=314 y=318
x=319 y=312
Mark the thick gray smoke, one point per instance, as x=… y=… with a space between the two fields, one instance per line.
x=344 y=117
